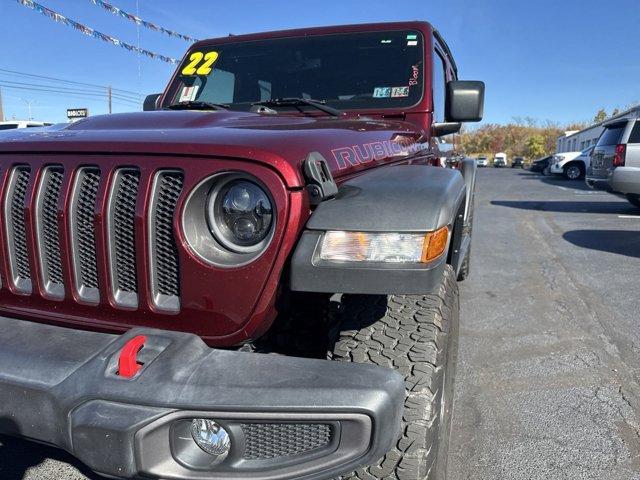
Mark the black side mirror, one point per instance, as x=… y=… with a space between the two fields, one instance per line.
x=150 y=102
x=465 y=101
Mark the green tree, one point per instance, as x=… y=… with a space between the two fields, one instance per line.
x=535 y=146
x=600 y=116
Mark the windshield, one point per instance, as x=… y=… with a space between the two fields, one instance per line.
x=347 y=71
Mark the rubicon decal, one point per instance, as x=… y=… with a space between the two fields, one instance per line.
x=367 y=152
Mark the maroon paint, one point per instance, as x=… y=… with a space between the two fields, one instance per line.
x=225 y=306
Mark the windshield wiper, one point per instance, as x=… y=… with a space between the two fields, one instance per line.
x=197 y=106
x=298 y=102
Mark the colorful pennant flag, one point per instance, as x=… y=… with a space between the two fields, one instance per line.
x=55 y=16
x=133 y=18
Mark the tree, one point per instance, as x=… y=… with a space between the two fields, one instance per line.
x=615 y=112
x=600 y=116
x=535 y=146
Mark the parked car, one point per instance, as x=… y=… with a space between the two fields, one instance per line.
x=517 y=162
x=541 y=165
x=180 y=322
x=482 y=161
x=13 y=124
x=615 y=162
x=500 y=160
x=564 y=164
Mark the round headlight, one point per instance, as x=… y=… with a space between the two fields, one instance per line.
x=240 y=215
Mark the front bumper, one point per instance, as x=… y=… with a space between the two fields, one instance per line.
x=62 y=387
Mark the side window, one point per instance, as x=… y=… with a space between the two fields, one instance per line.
x=439 y=82
x=634 y=137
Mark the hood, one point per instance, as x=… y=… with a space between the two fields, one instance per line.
x=280 y=141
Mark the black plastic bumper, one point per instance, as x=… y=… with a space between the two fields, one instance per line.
x=61 y=386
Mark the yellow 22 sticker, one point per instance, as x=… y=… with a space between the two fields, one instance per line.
x=194 y=67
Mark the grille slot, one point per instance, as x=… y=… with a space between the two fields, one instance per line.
x=83 y=236
x=15 y=229
x=163 y=252
x=46 y=219
x=272 y=440
x=122 y=238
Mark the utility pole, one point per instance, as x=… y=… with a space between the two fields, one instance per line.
x=29 y=103
x=109 y=97
x=1 y=109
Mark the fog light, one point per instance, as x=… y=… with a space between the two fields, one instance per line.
x=211 y=438
x=340 y=246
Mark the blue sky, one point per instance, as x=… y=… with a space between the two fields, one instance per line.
x=551 y=60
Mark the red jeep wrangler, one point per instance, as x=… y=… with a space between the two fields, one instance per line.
x=254 y=278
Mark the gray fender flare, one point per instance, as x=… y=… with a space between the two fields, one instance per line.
x=462 y=229
x=401 y=198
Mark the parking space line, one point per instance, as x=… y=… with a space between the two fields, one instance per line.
x=629 y=216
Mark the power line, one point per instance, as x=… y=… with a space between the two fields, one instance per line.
x=65 y=81
x=88 y=96
x=72 y=90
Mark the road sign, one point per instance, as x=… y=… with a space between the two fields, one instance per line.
x=76 y=113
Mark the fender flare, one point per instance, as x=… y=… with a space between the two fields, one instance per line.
x=400 y=198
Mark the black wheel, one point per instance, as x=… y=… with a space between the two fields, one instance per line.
x=634 y=199
x=418 y=336
x=546 y=171
x=573 y=171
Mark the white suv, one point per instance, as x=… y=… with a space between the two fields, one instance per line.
x=615 y=162
x=573 y=165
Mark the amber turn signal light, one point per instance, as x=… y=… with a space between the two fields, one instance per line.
x=435 y=243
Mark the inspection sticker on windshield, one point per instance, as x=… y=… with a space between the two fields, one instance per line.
x=381 y=92
x=189 y=94
x=399 y=92
x=412 y=40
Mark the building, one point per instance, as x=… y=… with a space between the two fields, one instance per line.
x=578 y=140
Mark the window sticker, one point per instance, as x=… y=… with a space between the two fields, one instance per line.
x=399 y=92
x=382 y=92
x=415 y=75
x=412 y=40
x=189 y=94
x=200 y=63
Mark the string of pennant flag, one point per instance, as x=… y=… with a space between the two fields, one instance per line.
x=57 y=17
x=134 y=18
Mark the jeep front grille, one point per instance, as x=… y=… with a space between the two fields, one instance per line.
x=83 y=239
x=47 y=231
x=15 y=229
x=122 y=240
x=94 y=229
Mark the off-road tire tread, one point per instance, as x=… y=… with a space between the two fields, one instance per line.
x=410 y=334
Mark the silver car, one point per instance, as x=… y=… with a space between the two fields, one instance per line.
x=615 y=161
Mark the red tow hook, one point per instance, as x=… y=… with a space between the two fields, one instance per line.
x=128 y=364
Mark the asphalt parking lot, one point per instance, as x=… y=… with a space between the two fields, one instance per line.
x=549 y=363
x=549 y=358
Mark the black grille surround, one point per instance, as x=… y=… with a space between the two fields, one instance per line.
x=264 y=441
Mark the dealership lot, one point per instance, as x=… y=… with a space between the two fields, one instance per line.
x=549 y=360
x=549 y=357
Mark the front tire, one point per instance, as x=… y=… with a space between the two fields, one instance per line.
x=573 y=171
x=418 y=336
